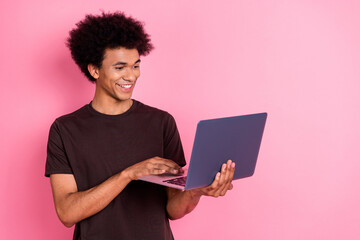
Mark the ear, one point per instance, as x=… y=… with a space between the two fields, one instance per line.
x=93 y=70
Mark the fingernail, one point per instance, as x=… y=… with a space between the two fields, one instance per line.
x=217 y=176
x=223 y=167
x=233 y=165
x=162 y=170
x=175 y=171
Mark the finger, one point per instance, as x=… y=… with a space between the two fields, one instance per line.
x=227 y=170
x=166 y=162
x=227 y=174
x=232 y=170
x=213 y=187
x=223 y=180
x=229 y=178
x=149 y=171
x=231 y=175
x=148 y=168
x=151 y=166
x=157 y=171
x=164 y=168
x=162 y=164
x=223 y=174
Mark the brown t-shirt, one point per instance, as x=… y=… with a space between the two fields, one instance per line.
x=93 y=147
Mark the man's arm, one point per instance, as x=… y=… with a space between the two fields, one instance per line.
x=181 y=203
x=73 y=206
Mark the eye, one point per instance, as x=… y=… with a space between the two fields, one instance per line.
x=136 y=66
x=119 y=68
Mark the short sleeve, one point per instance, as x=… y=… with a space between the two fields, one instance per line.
x=56 y=161
x=173 y=149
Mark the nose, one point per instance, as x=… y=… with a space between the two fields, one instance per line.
x=130 y=75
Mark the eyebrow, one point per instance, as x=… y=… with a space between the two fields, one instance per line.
x=124 y=63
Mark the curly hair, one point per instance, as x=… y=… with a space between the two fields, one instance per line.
x=92 y=36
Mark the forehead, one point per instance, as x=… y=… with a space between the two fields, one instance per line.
x=120 y=54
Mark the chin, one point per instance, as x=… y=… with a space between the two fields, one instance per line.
x=123 y=99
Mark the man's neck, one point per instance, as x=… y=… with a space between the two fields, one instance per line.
x=111 y=106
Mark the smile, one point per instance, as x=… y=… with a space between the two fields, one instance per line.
x=127 y=86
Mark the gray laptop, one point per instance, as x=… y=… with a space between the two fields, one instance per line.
x=216 y=141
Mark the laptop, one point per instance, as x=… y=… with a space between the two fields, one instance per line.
x=216 y=141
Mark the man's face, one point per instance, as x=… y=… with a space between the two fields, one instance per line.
x=118 y=74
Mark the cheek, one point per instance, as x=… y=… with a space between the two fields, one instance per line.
x=104 y=75
x=114 y=75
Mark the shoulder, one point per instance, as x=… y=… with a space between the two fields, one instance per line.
x=141 y=107
x=154 y=115
x=155 y=112
x=79 y=114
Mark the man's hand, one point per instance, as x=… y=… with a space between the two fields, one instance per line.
x=155 y=165
x=221 y=184
x=181 y=203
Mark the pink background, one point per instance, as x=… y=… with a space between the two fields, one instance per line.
x=297 y=60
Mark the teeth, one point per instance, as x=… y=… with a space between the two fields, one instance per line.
x=125 y=86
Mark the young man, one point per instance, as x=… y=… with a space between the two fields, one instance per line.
x=96 y=153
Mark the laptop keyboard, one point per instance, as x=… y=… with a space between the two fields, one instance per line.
x=177 y=181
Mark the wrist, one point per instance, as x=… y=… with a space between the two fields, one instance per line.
x=124 y=176
x=195 y=194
